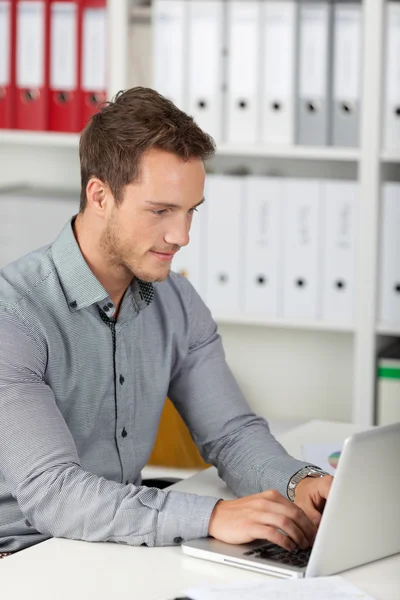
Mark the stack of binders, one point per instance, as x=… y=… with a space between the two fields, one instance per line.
x=52 y=63
x=288 y=248
x=391 y=135
x=272 y=71
x=389 y=265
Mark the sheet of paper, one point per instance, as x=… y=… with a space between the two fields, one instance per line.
x=319 y=588
x=325 y=456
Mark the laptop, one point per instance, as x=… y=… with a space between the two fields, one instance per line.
x=360 y=523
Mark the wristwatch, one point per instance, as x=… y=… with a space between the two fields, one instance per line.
x=308 y=471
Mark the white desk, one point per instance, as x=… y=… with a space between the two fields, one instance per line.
x=71 y=570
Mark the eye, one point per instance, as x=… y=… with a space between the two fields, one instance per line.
x=159 y=212
x=192 y=210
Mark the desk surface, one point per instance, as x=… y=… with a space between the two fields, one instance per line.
x=66 y=569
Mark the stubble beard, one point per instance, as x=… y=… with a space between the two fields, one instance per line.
x=118 y=257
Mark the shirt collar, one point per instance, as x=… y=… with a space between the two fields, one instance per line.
x=81 y=287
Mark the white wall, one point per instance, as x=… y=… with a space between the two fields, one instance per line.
x=292 y=373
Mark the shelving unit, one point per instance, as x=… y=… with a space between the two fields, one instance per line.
x=387 y=329
x=296 y=152
x=390 y=156
x=285 y=323
x=71 y=140
x=37 y=151
x=49 y=139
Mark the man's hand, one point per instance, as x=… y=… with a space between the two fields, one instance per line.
x=267 y=516
x=311 y=494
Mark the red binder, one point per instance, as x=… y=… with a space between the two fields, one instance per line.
x=32 y=64
x=65 y=35
x=93 y=57
x=7 y=64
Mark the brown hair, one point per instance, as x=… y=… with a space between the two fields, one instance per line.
x=115 y=139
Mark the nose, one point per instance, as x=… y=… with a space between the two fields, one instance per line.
x=177 y=233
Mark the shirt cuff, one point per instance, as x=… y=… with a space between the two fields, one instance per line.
x=278 y=474
x=184 y=517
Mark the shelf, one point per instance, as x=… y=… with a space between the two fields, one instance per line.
x=71 y=140
x=390 y=156
x=49 y=139
x=284 y=323
x=327 y=153
x=388 y=329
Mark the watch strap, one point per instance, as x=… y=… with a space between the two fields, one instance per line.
x=307 y=471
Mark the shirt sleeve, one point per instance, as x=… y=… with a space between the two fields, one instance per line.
x=40 y=464
x=228 y=434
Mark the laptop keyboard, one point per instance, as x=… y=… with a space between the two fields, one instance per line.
x=297 y=558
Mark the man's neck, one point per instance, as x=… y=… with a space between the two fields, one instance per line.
x=113 y=281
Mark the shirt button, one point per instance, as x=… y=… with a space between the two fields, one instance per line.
x=178 y=540
x=110 y=305
x=126 y=482
x=121 y=379
x=73 y=304
x=106 y=308
x=124 y=432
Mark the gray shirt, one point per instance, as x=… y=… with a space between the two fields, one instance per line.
x=81 y=397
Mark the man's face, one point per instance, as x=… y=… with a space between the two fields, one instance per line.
x=153 y=221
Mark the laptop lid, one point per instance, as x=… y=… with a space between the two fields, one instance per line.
x=361 y=520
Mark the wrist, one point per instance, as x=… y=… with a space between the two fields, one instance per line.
x=214 y=516
x=307 y=472
x=302 y=484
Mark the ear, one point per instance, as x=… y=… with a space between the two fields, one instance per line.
x=99 y=197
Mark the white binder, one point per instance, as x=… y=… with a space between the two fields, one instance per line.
x=225 y=244
x=389 y=286
x=347 y=64
x=391 y=137
x=340 y=200
x=170 y=50
x=263 y=202
x=206 y=65
x=313 y=111
x=190 y=260
x=301 y=256
x=279 y=34
x=140 y=47
x=243 y=102
x=63 y=46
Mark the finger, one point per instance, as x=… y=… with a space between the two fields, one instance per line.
x=324 y=487
x=286 y=525
x=282 y=505
x=319 y=491
x=309 y=509
x=265 y=532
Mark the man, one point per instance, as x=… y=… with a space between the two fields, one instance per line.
x=96 y=331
